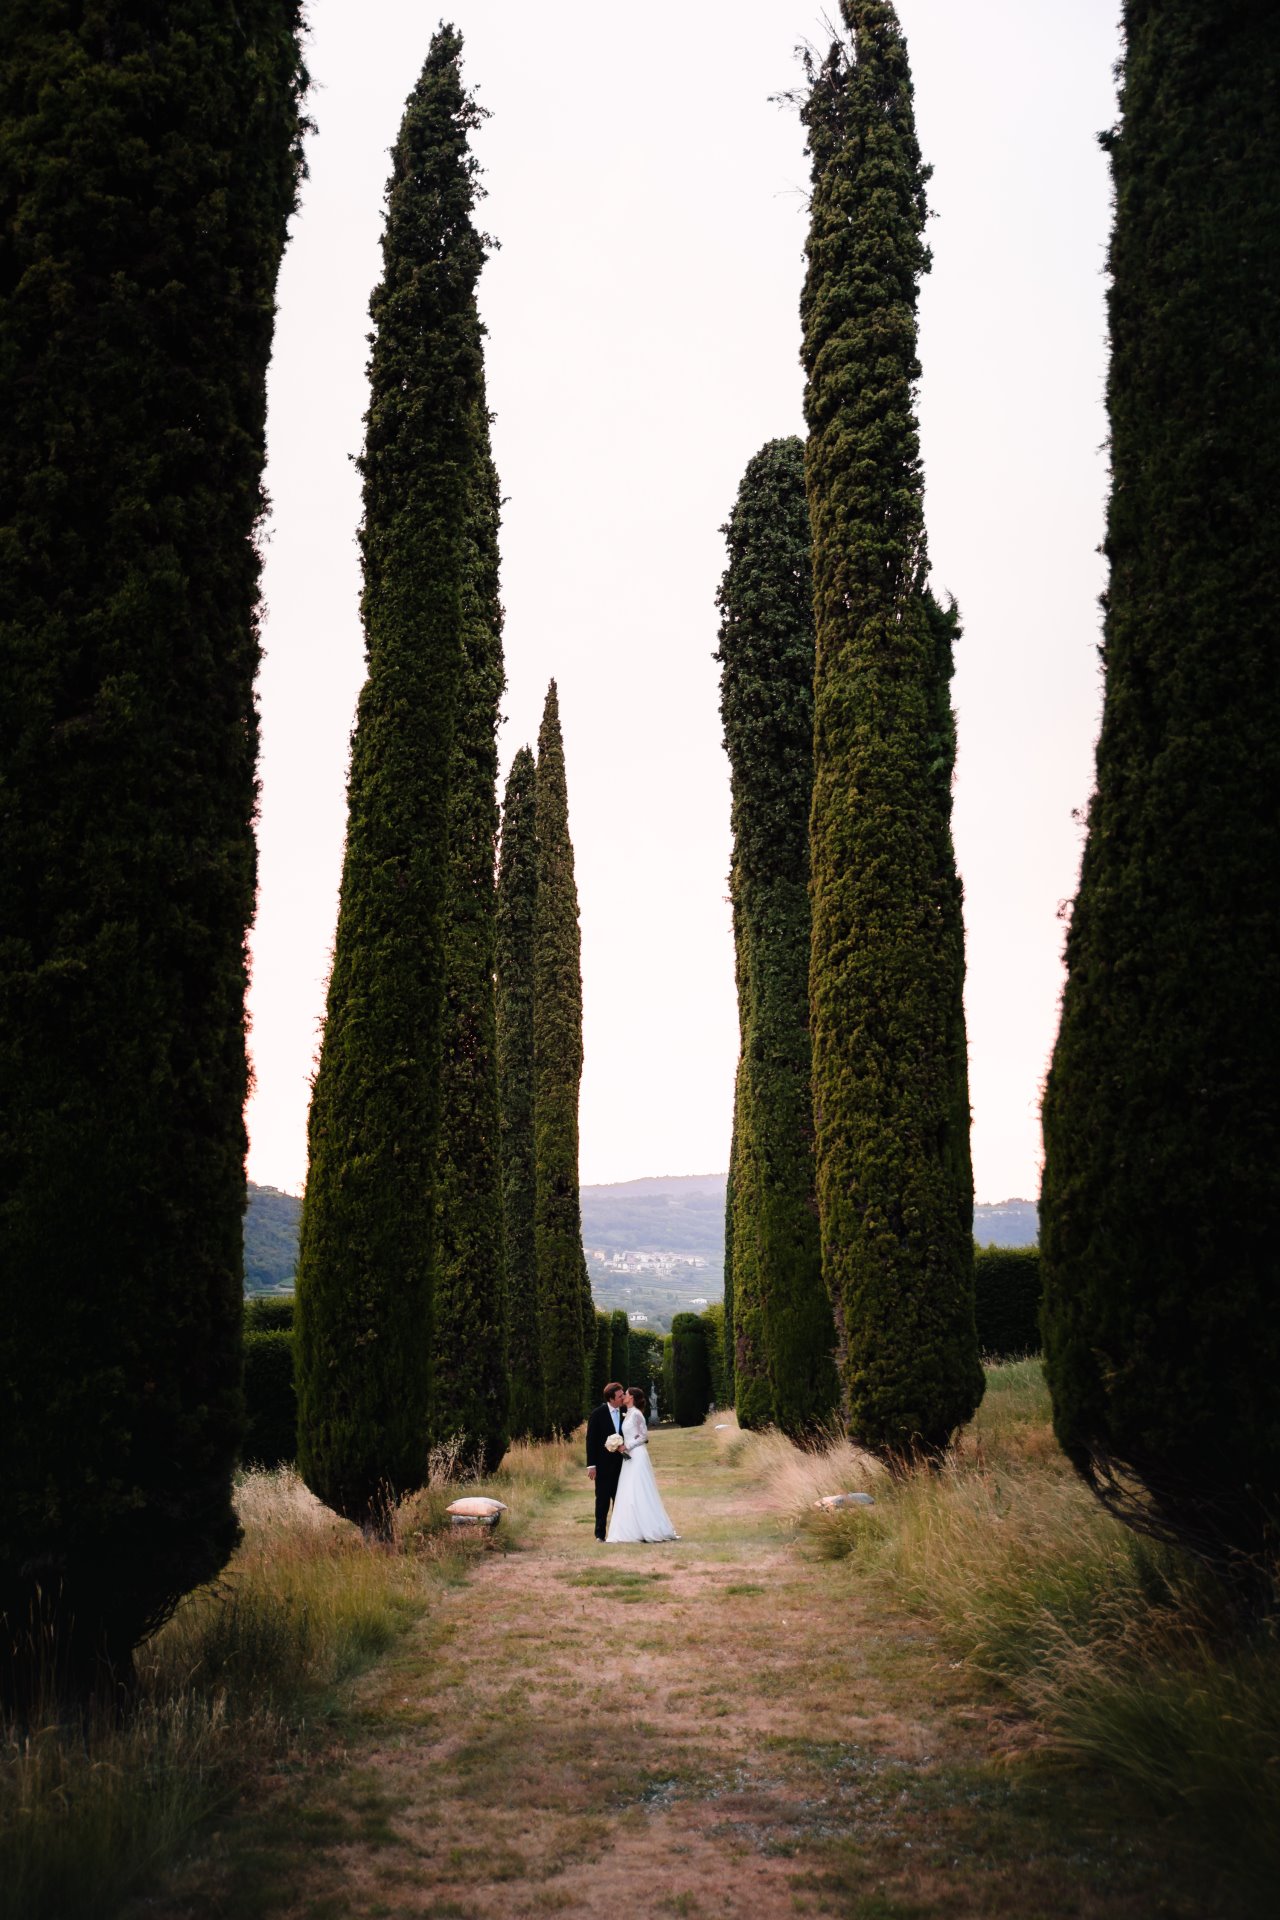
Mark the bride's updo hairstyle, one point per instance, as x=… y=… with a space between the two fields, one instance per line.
x=639 y=1398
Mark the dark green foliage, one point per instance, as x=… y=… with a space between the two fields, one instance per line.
x=712 y=1319
x=270 y=1238
x=690 y=1371
x=668 y=1378
x=148 y=165
x=601 y=1366
x=644 y=1358
x=517 y=894
x=752 y=1392
x=766 y=702
x=620 y=1351
x=270 y=1399
x=469 y=1390
x=895 y=1186
x=730 y=1382
x=557 y=1055
x=1160 y=1211
x=365 y=1259
x=1006 y=1286
x=269 y=1313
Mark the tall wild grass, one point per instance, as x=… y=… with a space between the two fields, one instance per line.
x=87 y=1812
x=1123 y=1652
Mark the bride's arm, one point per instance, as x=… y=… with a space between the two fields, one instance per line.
x=640 y=1436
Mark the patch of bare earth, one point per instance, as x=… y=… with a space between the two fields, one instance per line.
x=717 y=1727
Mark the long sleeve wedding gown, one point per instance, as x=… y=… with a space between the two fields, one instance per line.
x=638 y=1512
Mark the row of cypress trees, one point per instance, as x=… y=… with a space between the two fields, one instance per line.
x=1161 y=1115
x=368 y=1241
x=849 y=1243
x=442 y=1288
x=137 y=301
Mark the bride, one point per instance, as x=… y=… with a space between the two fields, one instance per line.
x=638 y=1512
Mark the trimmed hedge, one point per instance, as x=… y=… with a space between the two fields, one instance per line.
x=1007 y=1300
x=712 y=1319
x=667 y=1405
x=690 y=1370
x=601 y=1359
x=271 y=1400
x=269 y=1313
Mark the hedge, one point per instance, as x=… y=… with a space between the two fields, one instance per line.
x=271 y=1400
x=1007 y=1299
x=690 y=1371
x=269 y=1313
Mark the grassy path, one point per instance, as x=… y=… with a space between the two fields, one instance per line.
x=718 y=1727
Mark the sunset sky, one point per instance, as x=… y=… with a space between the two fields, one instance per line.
x=643 y=337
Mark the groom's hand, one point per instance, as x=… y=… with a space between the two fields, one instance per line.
x=591 y=1473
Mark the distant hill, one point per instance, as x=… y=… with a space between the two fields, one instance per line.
x=680 y=1214
x=270 y=1239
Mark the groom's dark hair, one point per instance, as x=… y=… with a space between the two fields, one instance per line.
x=614 y=1386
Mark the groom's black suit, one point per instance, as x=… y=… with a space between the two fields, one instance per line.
x=608 y=1466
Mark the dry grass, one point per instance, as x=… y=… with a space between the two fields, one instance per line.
x=224 y=1688
x=1120 y=1651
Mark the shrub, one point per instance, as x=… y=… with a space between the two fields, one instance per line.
x=712 y=1319
x=601 y=1359
x=270 y=1398
x=668 y=1403
x=1007 y=1300
x=690 y=1372
x=644 y=1358
x=269 y=1313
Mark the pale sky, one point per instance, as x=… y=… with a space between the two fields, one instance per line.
x=643 y=342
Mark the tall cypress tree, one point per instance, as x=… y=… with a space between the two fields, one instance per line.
x=620 y=1349
x=895 y=1186
x=517 y=894
x=148 y=169
x=557 y=1057
x=365 y=1257
x=766 y=701
x=1161 y=1196
x=469 y=1396
x=730 y=1384
x=753 y=1395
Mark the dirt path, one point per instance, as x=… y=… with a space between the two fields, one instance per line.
x=718 y=1727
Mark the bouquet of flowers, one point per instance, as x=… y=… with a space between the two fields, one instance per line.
x=615 y=1443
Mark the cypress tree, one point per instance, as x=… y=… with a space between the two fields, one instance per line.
x=601 y=1359
x=1160 y=1210
x=895 y=1187
x=557 y=1065
x=517 y=892
x=148 y=169
x=753 y=1395
x=365 y=1255
x=730 y=1387
x=469 y=1396
x=766 y=701
x=690 y=1371
x=621 y=1348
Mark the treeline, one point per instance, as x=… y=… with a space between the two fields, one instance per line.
x=850 y=1282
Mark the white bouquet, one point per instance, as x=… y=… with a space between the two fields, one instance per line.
x=615 y=1443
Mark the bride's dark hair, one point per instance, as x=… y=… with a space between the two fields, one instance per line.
x=640 y=1399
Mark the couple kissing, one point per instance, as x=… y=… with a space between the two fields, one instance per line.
x=619 y=1464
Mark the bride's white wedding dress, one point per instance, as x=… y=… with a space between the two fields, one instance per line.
x=638 y=1512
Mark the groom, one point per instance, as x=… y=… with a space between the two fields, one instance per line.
x=602 y=1466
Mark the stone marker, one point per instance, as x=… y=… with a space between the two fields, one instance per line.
x=830 y=1500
